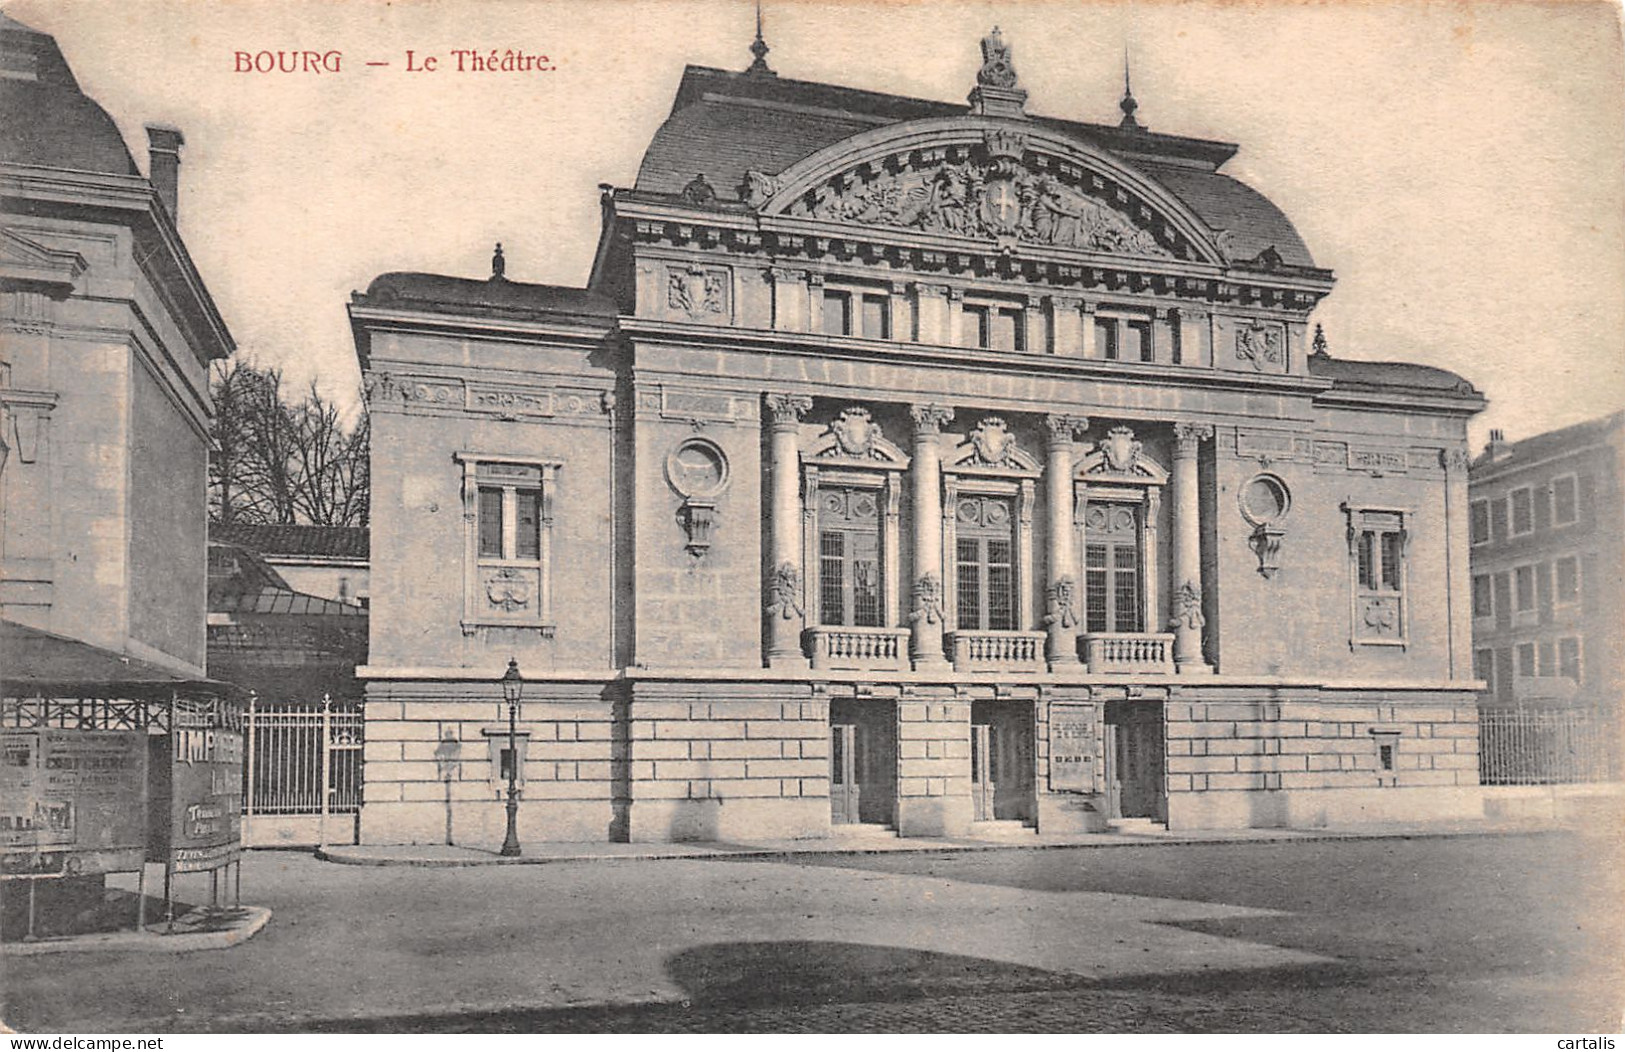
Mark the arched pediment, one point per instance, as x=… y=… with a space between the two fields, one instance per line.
x=854 y=439
x=992 y=449
x=988 y=179
x=1120 y=459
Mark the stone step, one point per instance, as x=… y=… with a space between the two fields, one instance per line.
x=1137 y=825
x=1001 y=829
x=862 y=830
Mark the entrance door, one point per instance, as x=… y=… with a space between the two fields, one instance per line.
x=1001 y=762
x=1137 y=750
x=862 y=762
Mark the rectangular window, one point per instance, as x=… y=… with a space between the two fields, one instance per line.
x=1526 y=659
x=985 y=570
x=1478 y=519
x=1106 y=338
x=1483 y=596
x=1176 y=338
x=1568 y=658
x=1484 y=669
x=1094 y=590
x=976 y=326
x=1137 y=342
x=490 y=513
x=1548 y=659
x=1498 y=520
x=507 y=573
x=877 y=317
x=1524 y=580
x=1125 y=589
x=1385 y=755
x=1523 y=512
x=837 y=313
x=1009 y=329
x=1568 y=580
x=849 y=557
x=1565 y=501
x=1378 y=604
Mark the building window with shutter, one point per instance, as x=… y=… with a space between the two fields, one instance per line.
x=1523 y=511
x=1568 y=658
x=1524 y=581
x=1568 y=580
x=1483 y=596
x=1478 y=519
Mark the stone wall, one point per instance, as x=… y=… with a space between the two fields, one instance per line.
x=1309 y=757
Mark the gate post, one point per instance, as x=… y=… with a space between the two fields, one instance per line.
x=327 y=752
x=248 y=790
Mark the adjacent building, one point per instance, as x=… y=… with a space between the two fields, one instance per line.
x=932 y=467
x=1547 y=534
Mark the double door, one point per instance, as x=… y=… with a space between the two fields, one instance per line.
x=862 y=763
x=1136 y=760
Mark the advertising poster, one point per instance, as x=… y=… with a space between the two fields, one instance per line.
x=205 y=798
x=71 y=802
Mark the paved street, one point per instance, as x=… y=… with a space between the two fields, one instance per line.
x=1506 y=933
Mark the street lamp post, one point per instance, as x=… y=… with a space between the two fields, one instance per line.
x=513 y=686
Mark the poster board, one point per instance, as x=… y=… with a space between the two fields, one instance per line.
x=206 y=785
x=1072 y=748
x=72 y=802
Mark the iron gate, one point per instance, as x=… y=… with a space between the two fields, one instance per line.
x=304 y=758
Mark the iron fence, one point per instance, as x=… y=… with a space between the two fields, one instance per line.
x=295 y=750
x=1547 y=746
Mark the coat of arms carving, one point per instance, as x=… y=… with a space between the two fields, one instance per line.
x=508 y=590
x=1121 y=449
x=856 y=433
x=697 y=291
x=992 y=441
x=1260 y=344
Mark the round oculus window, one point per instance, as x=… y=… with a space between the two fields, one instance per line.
x=1265 y=500
x=697 y=468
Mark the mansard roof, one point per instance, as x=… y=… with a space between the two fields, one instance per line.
x=1351 y=375
x=723 y=124
x=298 y=539
x=45 y=119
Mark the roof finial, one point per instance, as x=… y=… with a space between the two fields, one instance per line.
x=1128 y=105
x=498 y=264
x=1319 y=344
x=759 y=48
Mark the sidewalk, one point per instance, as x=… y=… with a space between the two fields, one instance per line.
x=443 y=855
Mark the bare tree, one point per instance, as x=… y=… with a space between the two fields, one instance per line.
x=279 y=463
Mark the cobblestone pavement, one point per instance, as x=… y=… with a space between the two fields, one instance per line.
x=1480 y=934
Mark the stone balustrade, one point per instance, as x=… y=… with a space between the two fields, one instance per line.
x=990 y=651
x=1137 y=652
x=862 y=649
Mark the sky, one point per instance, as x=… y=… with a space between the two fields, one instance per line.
x=1459 y=166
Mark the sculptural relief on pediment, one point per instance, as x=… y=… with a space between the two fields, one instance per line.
x=986 y=193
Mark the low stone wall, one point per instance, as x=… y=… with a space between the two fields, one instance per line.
x=1308 y=757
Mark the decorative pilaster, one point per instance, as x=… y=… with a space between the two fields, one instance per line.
x=1065 y=326
x=784 y=607
x=1088 y=333
x=789 y=299
x=1061 y=593
x=1187 y=620
x=928 y=616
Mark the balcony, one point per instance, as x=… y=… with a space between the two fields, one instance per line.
x=976 y=651
x=859 y=649
x=1130 y=652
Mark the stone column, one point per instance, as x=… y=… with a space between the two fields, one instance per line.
x=927 y=617
x=785 y=618
x=1061 y=593
x=1187 y=621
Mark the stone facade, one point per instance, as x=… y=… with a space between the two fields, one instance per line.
x=966 y=474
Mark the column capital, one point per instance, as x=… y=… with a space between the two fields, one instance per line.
x=1062 y=427
x=930 y=288
x=1064 y=301
x=787 y=274
x=956 y=294
x=815 y=278
x=1454 y=459
x=928 y=419
x=1188 y=434
x=787 y=409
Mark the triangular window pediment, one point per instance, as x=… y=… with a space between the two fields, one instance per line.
x=854 y=439
x=1121 y=458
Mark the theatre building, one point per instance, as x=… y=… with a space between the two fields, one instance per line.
x=918 y=466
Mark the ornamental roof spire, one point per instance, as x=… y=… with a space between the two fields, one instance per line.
x=1128 y=105
x=759 y=49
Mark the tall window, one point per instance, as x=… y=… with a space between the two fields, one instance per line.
x=1483 y=596
x=1111 y=568
x=985 y=563
x=849 y=557
x=994 y=328
x=1137 y=342
x=1478 y=519
x=1484 y=669
x=507 y=573
x=1526 y=659
x=1523 y=512
x=1176 y=338
x=837 y=312
x=1568 y=579
x=1378 y=572
x=1524 y=581
x=1106 y=338
x=1565 y=500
